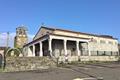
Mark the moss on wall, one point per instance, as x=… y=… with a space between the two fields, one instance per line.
x=28 y=63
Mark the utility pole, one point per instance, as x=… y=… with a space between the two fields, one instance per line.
x=0 y=36
x=7 y=41
x=4 y=57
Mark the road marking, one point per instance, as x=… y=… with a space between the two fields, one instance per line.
x=100 y=67
x=85 y=79
x=100 y=78
x=77 y=79
x=86 y=68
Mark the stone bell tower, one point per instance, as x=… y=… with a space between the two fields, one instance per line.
x=21 y=37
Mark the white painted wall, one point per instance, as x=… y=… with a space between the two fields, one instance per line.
x=93 y=46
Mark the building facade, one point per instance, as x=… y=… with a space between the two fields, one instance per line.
x=72 y=46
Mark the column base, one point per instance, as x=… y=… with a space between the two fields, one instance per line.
x=79 y=58
x=66 y=60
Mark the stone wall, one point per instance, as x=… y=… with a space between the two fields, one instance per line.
x=99 y=58
x=28 y=63
x=89 y=58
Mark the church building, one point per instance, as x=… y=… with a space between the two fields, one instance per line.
x=72 y=46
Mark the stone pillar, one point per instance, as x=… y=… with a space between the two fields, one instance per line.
x=50 y=46
x=33 y=53
x=77 y=48
x=30 y=52
x=89 y=52
x=65 y=50
x=41 y=51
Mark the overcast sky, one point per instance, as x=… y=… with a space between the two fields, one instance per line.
x=91 y=16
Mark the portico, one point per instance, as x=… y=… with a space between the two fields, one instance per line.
x=62 y=46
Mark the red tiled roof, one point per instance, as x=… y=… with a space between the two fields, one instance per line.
x=53 y=29
x=104 y=36
x=2 y=48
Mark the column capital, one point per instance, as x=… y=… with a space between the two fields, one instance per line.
x=40 y=41
x=77 y=42
x=65 y=40
x=87 y=41
x=49 y=39
x=33 y=45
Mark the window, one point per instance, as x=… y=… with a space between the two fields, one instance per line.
x=93 y=40
x=114 y=53
x=116 y=43
x=110 y=42
x=102 y=41
x=47 y=32
x=101 y=53
x=108 y=53
x=93 y=53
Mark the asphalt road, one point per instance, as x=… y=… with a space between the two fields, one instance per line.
x=107 y=71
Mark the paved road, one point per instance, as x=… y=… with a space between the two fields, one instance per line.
x=109 y=71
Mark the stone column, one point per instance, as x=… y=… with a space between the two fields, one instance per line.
x=41 y=51
x=77 y=48
x=50 y=46
x=30 y=52
x=65 y=50
x=89 y=52
x=33 y=53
